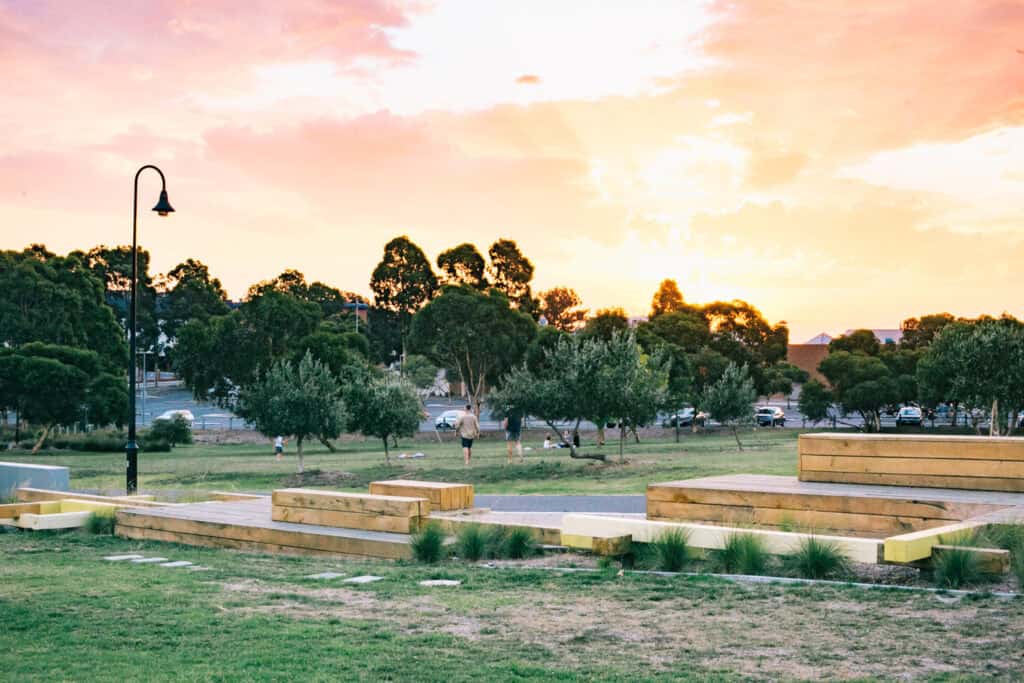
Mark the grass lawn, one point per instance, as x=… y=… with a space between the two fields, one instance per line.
x=252 y=467
x=69 y=615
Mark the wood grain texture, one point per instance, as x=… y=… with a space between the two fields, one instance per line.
x=347 y=520
x=36 y=495
x=918 y=480
x=442 y=495
x=364 y=503
x=250 y=522
x=978 y=463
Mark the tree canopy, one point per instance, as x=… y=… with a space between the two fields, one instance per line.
x=561 y=307
x=385 y=408
x=463 y=265
x=478 y=335
x=511 y=272
x=301 y=400
x=668 y=299
x=56 y=300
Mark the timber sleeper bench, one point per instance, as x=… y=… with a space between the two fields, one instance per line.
x=953 y=462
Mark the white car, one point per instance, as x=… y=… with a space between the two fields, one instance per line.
x=186 y=415
x=909 y=415
x=446 y=420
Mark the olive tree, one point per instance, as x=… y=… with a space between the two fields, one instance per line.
x=301 y=400
x=385 y=408
x=730 y=399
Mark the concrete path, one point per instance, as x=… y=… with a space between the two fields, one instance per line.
x=597 y=503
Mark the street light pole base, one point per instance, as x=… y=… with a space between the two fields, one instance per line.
x=132 y=466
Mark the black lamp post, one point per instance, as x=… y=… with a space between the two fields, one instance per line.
x=163 y=207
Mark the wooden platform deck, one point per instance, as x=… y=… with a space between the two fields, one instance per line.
x=247 y=525
x=852 y=509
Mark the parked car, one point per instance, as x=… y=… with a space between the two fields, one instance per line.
x=770 y=416
x=186 y=415
x=685 y=417
x=909 y=415
x=446 y=420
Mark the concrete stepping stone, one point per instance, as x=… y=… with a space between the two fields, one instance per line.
x=122 y=558
x=177 y=563
x=149 y=560
x=440 y=582
x=325 y=575
x=363 y=579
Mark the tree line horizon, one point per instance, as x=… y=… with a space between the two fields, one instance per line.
x=476 y=318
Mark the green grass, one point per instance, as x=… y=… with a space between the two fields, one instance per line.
x=68 y=615
x=252 y=467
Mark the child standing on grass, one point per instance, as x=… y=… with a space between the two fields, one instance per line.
x=279 y=446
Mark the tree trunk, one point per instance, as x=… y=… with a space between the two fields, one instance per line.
x=737 y=435
x=42 y=438
x=327 y=442
x=387 y=455
x=622 y=439
x=600 y=434
x=302 y=467
x=993 y=423
x=573 y=453
x=675 y=418
x=636 y=436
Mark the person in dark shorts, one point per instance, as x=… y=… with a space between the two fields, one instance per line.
x=513 y=424
x=468 y=429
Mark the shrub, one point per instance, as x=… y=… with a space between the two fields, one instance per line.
x=428 y=544
x=471 y=543
x=672 y=550
x=494 y=541
x=100 y=524
x=150 y=445
x=174 y=431
x=956 y=567
x=743 y=553
x=817 y=559
x=520 y=543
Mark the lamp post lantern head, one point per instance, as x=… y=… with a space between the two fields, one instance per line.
x=163 y=207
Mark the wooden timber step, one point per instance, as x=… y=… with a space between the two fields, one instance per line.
x=32 y=495
x=545 y=526
x=396 y=514
x=442 y=495
x=247 y=525
x=962 y=462
x=777 y=502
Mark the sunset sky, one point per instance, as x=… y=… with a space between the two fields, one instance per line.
x=837 y=164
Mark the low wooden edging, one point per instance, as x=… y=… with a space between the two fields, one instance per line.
x=866 y=550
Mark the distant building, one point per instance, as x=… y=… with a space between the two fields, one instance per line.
x=808 y=355
x=884 y=336
x=635 y=320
